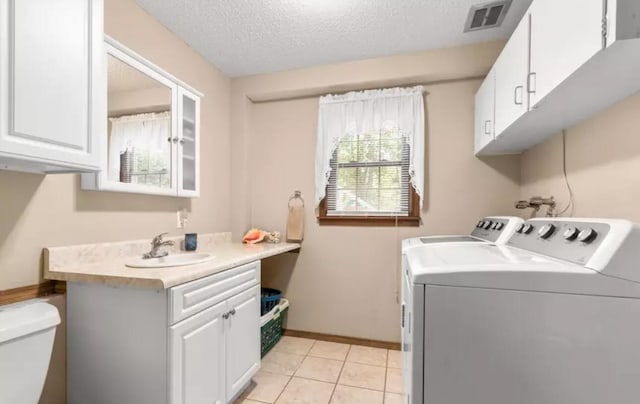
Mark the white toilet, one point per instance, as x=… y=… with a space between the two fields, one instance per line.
x=26 y=340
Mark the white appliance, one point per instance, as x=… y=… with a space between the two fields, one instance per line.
x=552 y=317
x=491 y=229
x=26 y=339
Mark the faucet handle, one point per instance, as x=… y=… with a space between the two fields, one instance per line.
x=158 y=239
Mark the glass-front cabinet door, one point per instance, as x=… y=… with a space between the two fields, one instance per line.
x=189 y=150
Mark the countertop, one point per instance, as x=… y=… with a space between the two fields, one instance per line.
x=92 y=264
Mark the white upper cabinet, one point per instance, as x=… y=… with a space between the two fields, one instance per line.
x=511 y=70
x=152 y=141
x=50 y=57
x=577 y=58
x=485 y=112
x=564 y=35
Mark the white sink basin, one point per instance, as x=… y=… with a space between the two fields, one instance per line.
x=170 y=260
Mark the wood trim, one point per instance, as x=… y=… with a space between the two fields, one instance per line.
x=370 y=221
x=343 y=340
x=60 y=288
x=412 y=220
x=46 y=288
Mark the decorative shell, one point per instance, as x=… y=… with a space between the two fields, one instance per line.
x=254 y=236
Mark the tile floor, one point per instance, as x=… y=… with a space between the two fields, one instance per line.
x=299 y=370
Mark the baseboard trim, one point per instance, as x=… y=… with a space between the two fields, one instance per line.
x=343 y=340
x=46 y=288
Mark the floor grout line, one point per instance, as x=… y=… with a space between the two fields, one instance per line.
x=337 y=383
x=335 y=386
x=294 y=373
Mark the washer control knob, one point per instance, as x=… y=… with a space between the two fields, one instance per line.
x=498 y=226
x=546 y=231
x=571 y=233
x=587 y=235
x=520 y=228
x=488 y=224
x=528 y=228
x=480 y=224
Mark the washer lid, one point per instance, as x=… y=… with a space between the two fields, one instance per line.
x=25 y=318
x=427 y=241
x=503 y=267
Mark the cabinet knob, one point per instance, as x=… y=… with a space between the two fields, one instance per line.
x=233 y=312
x=225 y=316
x=181 y=141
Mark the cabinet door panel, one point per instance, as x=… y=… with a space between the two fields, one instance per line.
x=189 y=151
x=243 y=339
x=484 y=112
x=197 y=356
x=511 y=69
x=564 y=35
x=55 y=56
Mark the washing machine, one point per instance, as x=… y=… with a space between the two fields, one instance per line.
x=491 y=229
x=552 y=317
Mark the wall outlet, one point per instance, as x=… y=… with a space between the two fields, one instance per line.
x=179 y=221
x=182 y=216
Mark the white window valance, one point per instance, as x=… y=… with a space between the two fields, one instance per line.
x=359 y=112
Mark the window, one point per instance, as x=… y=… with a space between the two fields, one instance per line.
x=370 y=180
x=150 y=167
x=369 y=177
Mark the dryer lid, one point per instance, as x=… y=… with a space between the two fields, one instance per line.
x=508 y=268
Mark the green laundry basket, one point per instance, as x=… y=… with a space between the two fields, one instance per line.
x=271 y=326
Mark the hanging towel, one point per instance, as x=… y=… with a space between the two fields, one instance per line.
x=295 y=219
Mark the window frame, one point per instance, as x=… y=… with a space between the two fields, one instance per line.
x=362 y=219
x=411 y=220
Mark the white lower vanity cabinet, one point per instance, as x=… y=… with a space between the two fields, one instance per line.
x=196 y=343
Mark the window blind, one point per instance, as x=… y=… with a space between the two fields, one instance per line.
x=369 y=176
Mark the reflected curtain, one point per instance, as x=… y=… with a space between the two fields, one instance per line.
x=140 y=133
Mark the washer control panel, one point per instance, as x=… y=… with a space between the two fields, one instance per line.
x=573 y=241
x=490 y=228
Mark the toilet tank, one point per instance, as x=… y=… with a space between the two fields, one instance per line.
x=27 y=330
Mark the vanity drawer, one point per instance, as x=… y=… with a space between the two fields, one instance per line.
x=190 y=298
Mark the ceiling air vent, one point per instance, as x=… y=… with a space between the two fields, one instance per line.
x=486 y=15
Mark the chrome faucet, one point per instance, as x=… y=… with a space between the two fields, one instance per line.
x=156 y=243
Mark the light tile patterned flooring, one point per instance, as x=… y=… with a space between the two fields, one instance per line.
x=304 y=371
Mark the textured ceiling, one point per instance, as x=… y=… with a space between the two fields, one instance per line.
x=245 y=37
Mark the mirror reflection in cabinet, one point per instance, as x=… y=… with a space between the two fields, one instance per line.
x=139 y=127
x=152 y=140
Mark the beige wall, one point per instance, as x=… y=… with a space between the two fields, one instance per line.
x=39 y=211
x=139 y=101
x=345 y=279
x=603 y=156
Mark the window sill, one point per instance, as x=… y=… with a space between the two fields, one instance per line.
x=370 y=221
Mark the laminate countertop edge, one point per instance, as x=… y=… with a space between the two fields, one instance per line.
x=116 y=273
